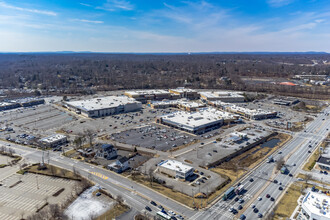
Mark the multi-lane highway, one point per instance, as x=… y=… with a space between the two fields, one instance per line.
x=135 y=195
x=138 y=196
x=295 y=152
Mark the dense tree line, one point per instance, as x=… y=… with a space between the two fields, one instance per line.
x=73 y=73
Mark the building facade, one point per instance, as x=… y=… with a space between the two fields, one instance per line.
x=54 y=140
x=175 y=169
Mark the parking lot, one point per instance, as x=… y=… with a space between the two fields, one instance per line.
x=22 y=195
x=203 y=180
x=211 y=151
x=155 y=137
x=114 y=123
x=38 y=119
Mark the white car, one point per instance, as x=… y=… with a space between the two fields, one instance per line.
x=253 y=206
x=171 y=212
x=259 y=198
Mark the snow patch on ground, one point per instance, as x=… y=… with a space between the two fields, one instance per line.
x=87 y=205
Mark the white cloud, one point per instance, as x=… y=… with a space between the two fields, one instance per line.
x=84 y=4
x=36 y=11
x=113 y=5
x=89 y=21
x=279 y=3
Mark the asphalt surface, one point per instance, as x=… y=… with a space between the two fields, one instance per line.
x=296 y=151
x=138 y=196
x=135 y=195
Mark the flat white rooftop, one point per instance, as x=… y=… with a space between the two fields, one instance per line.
x=175 y=165
x=102 y=102
x=250 y=111
x=182 y=90
x=196 y=119
x=221 y=94
x=318 y=204
x=5 y=103
x=179 y=101
x=147 y=92
x=53 y=138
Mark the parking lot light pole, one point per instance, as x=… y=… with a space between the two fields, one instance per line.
x=37 y=182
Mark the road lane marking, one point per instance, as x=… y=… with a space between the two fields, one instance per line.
x=99 y=175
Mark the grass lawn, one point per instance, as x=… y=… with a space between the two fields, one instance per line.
x=312 y=160
x=178 y=196
x=52 y=171
x=234 y=168
x=114 y=212
x=288 y=202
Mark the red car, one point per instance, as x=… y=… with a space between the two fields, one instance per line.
x=267 y=196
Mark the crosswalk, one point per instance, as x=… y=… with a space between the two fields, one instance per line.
x=100 y=175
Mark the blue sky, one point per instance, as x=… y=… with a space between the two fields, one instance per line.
x=164 y=25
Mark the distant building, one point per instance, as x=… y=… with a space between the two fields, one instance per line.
x=323 y=163
x=253 y=114
x=310 y=77
x=199 y=122
x=175 y=169
x=8 y=105
x=17 y=103
x=185 y=93
x=145 y=95
x=237 y=137
x=285 y=101
x=119 y=165
x=104 y=106
x=106 y=151
x=222 y=96
x=315 y=206
x=54 y=140
x=179 y=103
x=88 y=152
x=27 y=102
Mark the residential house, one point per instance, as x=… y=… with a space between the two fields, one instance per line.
x=106 y=151
x=119 y=165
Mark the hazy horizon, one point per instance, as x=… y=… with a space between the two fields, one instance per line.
x=141 y=26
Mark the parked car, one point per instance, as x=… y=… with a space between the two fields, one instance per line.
x=148 y=208
x=153 y=203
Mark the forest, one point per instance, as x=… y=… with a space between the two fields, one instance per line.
x=81 y=73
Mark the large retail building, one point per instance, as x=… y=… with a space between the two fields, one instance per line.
x=104 y=106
